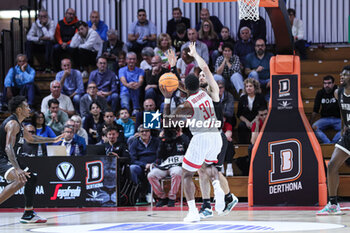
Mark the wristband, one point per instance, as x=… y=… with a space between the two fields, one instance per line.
x=167 y=100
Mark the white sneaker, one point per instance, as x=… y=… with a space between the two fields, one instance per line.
x=192 y=217
x=229 y=170
x=219 y=196
x=34 y=218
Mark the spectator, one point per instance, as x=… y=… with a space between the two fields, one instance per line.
x=228 y=68
x=201 y=48
x=142 y=33
x=257 y=27
x=38 y=121
x=170 y=154
x=41 y=37
x=111 y=121
x=111 y=48
x=121 y=60
x=205 y=15
x=78 y=129
x=244 y=45
x=86 y=45
x=93 y=121
x=115 y=147
x=151 y=80
x=248 y=106
x=209 y=37
x=147 y=53
x=228 y=131
x=298 y=33
x=186 y=64
x=65 y=102
x=180 y=38
x=31 y=149
x=71 y=81
x=106 y=82
x=64 y=33
x=149 y=105
x=258 y=64
x=19 y=81
x=131 y=78
x=176 y=20
x=143 y=152
x=330 y=112
x=127 y=123
x=163 y=45
x=98 y=25
x=258 y=123
x=55 y=118
x=75 y=145
x=225 y=38
x=89 y=97
x=227 y=101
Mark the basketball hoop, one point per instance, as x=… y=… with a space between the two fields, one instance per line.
x=248 y=9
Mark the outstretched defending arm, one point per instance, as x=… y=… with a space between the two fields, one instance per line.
x=35 y=139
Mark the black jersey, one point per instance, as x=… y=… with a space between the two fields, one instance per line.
x=344 y=105
x=219 y=112
x=19 y=137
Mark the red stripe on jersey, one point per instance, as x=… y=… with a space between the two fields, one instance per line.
x=191 y=164
x=211 y=161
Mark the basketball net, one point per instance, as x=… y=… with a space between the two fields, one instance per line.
x=248 y=9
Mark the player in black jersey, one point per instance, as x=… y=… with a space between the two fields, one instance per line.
x=341 y=151
x=12 y=136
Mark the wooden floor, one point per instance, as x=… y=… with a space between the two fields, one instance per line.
x=142 y=219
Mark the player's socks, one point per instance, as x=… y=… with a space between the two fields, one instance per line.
x=219 y=197
x=333 y=200
x=228 y=197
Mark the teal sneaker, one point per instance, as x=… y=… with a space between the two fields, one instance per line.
x=205 y=213
x=229 y=205
x=330 y=209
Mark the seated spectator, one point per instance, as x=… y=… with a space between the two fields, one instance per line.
x=170 y=154
x=142 y=33
x=245 y=45
x=258 y=64
x=71 y=82
x=41 y=37
x=19 y=81
x=78 y=129
x=186 y=64
x=163 y=45
x=93 y=121
x=257 y=27
x=147 y=53
x=176 y=20
x=65 y=102
x=330 y=112
x=201 y=48
x=111 y=48
x=75 y=145
x=228 y=68
x=149 y=105
x=151 y=80
x=127 y=123
x=180 y=38
x=65 y=30
x=121 y=60
x=38 y=121
x=248 y=106
x=298 y=33
x=208 y=36
x=131 y=78
x=106 y=82
x=86 y=45
x=143 y=152
x=227 y=100
x=258 y=123
x=205 y=15
x=115 y=147
x=228 y=130
x=79 y=139
x=98 y=25
x=225 y=38
x=89 y=97
x=111 y=121
x=31 y=149
x=55 y=118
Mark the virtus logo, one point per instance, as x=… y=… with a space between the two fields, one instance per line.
x=65 y=171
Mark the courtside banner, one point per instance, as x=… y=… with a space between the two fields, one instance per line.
x=287 y=164
x=69 y=182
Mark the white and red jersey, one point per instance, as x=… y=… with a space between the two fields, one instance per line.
x=203 y=118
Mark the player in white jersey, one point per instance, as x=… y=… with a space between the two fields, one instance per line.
x=205 y=144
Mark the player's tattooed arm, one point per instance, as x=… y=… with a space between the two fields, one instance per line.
x=12 y=129
x=35 y=139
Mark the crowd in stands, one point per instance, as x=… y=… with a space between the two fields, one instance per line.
x=121 y=86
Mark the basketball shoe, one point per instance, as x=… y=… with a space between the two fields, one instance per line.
x=330 y=209
x=32 y=217
x=192 y=216
x=229 y=205
x=205 y=213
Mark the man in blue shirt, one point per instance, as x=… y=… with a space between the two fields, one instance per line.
x=107 y=83
x=258 y=64
x=19 y=80
x=131 y=78
x=71 y=82
x=142 y=33
x=98 y=25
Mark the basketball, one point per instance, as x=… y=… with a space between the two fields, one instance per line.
x=170 y=81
